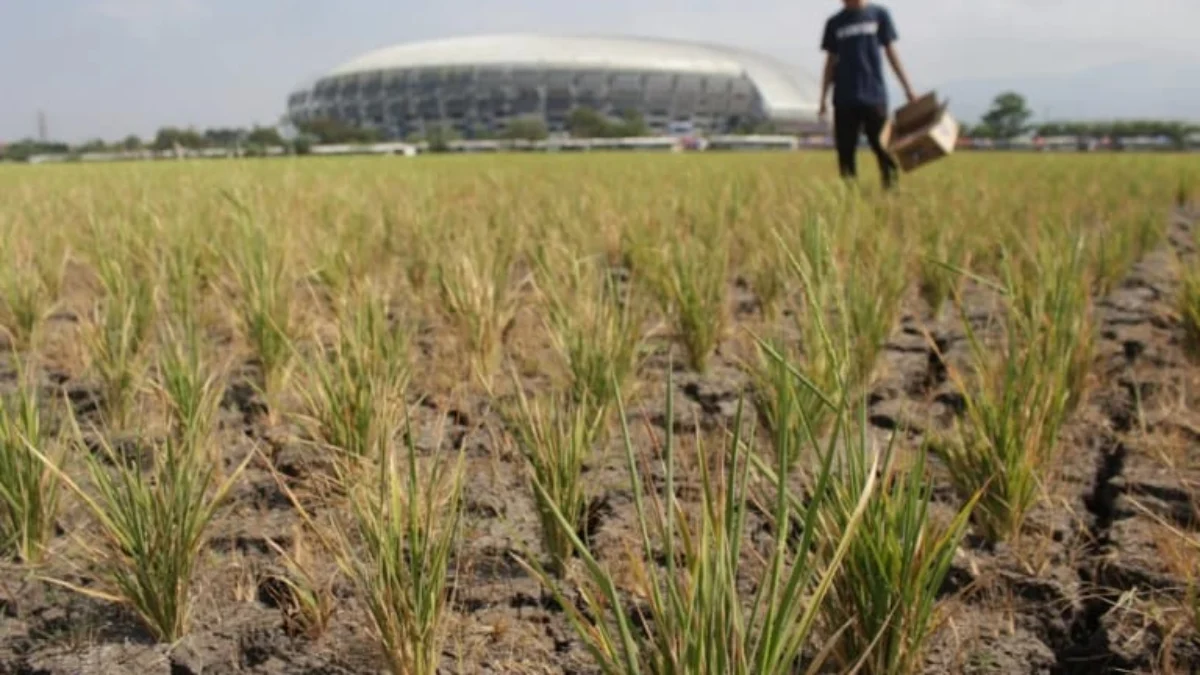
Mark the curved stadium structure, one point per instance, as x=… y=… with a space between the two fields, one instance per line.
x=482 y=83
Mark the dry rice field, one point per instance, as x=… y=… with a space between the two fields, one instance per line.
x=686 y=414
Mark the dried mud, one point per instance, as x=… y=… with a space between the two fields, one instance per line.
x=1088 y=591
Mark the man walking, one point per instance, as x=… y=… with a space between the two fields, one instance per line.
x=853 y=40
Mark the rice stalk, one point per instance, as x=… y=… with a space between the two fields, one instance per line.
x=117 y=336
x=352 y=394
x=406 y=520
x=306 y=596
x=1019 y=395
x=883 y=603
x=29 y=487
x=691 y=615
x=190 y=386
x=1188 y=304
x=556 y=437
x=474 y=287
x=265 y=304
x=152 y=526
x=695 y=275
x=595 y=325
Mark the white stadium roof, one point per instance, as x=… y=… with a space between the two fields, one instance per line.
x=784 y=90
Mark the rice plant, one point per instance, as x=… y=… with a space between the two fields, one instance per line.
x=790 y=409
x=353 y=394
x=265 y=304
x=768 y=278
x=1053 y=314
x=825 y=352
x=1188 y=304
x=942 y=250
x=407 y=519
x=596 y=326
x=869 y=295
x=305 y=595
x=190 y=387
x=117 y=336
x=1185 y=189
x=694 y=277
x=29 y=487
x=152 y=526
x=185 y=278
x=722 y=574
x=1129 y=234
x=474 y=287
x=556 y=436
x=1019 y=396
x=347 y=251
x=883 y=603
x=885 y=585
x=692 y=616
x=25 y=300
x=396 y=546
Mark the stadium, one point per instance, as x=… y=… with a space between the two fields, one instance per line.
x=479 y=85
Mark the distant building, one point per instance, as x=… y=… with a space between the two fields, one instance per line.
x=481 y=84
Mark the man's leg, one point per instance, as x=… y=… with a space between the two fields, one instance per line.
x=847 y=124
x=875 y=118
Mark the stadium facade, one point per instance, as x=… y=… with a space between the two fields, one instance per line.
x=483 y=83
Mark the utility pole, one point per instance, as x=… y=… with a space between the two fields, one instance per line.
x=43 y=130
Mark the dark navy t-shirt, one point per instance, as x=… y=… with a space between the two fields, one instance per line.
x=855 y=37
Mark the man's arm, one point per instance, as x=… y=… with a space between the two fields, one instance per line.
x=894 y=59
x=829 y=46
x=888 y=37
x=827 y=80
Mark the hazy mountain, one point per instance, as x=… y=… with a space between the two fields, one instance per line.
x=1124 y=90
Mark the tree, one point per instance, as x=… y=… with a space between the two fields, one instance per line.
x=528 y=129
x=439 y=137
x=265 y=136
x=1175 y=131
x=168 y=137
x=632 y=124
x=132 y=143
x=481 y=133
x=302 y=145
x=585 y=122
x=1008 y=117
x=223 y=138
x=749 y=127
x=22 y=150
x=94 y=145
x=328 y=130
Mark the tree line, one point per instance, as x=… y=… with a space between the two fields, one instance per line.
x=581 y=123
x=1010 y=117
x=252 y=141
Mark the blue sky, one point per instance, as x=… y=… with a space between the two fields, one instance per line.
x=111 y=67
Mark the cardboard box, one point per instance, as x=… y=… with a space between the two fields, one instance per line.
x=920 y=132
